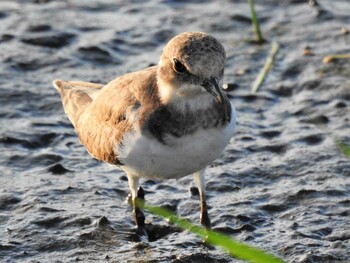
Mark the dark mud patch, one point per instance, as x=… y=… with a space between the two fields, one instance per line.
x=57 y=169
x=31 y=142
x=96 y=54
x=8 y=201
x=51 y=41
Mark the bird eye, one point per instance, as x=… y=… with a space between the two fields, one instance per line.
x=178 y=66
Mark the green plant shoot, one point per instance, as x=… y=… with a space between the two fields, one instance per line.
x=234 y=248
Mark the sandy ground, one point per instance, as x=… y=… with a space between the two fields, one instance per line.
x=281 y=184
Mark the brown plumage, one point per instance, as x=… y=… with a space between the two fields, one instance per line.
x=101 y=114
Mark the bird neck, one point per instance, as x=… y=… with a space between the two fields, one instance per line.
x=185 y=97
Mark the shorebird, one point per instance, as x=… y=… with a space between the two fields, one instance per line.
x=166 y=121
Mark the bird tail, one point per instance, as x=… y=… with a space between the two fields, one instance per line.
x=76 y=96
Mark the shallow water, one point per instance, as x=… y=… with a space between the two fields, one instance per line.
x=281 y=184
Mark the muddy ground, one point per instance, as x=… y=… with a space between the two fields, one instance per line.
x=281 y=185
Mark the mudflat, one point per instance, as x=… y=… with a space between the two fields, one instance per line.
x=282 y=184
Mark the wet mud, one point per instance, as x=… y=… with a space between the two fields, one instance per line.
x=281 y=184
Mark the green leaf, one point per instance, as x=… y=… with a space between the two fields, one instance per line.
x=234 y=248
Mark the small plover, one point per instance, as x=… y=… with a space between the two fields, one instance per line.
x=166 y=121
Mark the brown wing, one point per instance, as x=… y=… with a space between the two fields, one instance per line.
x=104 y=115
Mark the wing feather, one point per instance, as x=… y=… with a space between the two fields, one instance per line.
x=102 y=114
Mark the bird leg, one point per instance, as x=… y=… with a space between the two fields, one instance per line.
x=138 y=197
x=139 y=217
x=204 y=217
x=200 y=183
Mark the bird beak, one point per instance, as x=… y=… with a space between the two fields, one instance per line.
x=212 y=86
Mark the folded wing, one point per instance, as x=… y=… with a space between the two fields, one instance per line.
x=102 y=114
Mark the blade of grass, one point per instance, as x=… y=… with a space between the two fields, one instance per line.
x=255 y=22
x=267 y=66
x=234 y=248
x=330 y=58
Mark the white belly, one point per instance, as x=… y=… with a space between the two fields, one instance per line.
x=180 y=156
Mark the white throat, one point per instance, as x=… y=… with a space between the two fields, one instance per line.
x=188 y=96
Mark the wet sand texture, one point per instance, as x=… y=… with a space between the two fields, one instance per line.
x=280 y=185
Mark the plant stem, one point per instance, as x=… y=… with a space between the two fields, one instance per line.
x=330 y=58
x=234 y=248
x=255 y=22
x=267 y=66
